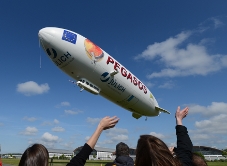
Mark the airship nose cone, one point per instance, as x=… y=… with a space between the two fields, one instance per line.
x=46 y=34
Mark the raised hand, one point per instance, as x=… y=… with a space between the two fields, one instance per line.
x=180 y=114
x=108 y=122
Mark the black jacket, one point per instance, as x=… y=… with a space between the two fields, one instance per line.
x=122 y=161
x=184 y=146
x=81 y=157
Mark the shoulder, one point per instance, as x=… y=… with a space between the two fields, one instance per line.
x=124 y=159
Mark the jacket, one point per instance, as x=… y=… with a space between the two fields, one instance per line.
x=184 y=146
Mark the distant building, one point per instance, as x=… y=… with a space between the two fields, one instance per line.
x=100 y=153
x=209 y=153
x=12 y=155
x=52 y=153
x=59 y=152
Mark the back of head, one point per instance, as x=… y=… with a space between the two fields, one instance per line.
x=153 y=152
x=197 y=160
x=122 y=149
x=36 y=155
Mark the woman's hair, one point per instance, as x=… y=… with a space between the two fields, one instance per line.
x=36 y=155
x=197 y=160
x=153 y=152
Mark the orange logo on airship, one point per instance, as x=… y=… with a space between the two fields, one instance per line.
x=93 y=51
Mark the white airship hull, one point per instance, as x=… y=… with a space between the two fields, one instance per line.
x=82 y=59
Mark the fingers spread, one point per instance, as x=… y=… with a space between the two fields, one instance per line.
x=109 y=122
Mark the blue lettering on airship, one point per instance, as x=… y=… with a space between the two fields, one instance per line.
x=105 y=77
x=60 y=60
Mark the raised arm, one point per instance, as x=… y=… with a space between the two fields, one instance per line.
x=184 y=144
x=80 y=159
x=106 y=123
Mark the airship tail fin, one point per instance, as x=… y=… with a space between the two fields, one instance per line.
x=161 y=110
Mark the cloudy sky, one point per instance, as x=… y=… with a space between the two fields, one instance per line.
x=178 y=49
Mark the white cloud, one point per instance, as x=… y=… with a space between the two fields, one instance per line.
x=46 y=123
x=148 y=84
x=71 y=112
x=30 y=119
x=58 y=129
x=167 y=85
x=47 y=137
x=49 y=140
x=69 y=145
x=211 y=23
x=120 y=137
x=211 y=131
x=56 y=121
x=115 y=135
x=215 y=108
x=158 y=135
x=197 y=136
x=65 y=103
x=32 y=88
x=93 y=120
x=115 y=131
x=29 y=131
x=214 y=125
x=217 y=22
x=193 y=59
x=50 y=123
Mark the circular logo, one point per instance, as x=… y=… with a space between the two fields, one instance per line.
x=52 y=52
x=105 y=77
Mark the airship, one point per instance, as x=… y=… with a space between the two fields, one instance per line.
x=97 y=72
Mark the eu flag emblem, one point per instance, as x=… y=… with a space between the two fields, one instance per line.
x=69 y=36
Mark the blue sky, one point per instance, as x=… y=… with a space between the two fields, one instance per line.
x=178 y=49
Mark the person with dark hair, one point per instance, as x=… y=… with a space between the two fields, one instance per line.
x=154 y=152
x=197 y=160
x=122 y=156
x=36 y=155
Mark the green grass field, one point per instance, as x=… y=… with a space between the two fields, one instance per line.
x=15 y=162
